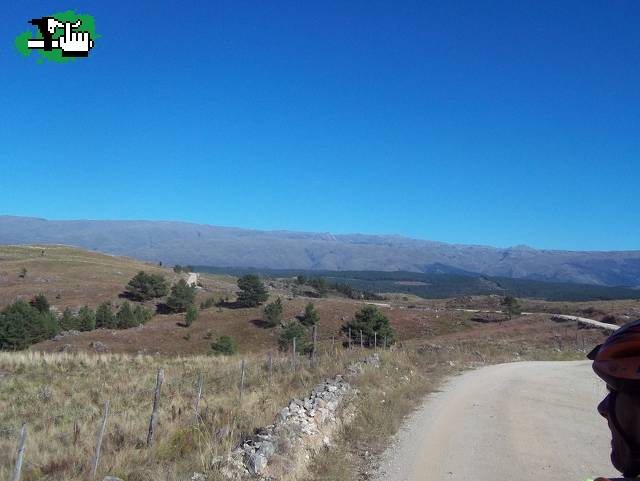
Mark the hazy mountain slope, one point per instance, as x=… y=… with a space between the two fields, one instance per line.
x=185 y=243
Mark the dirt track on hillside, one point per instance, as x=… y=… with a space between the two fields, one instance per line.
x=520 y=421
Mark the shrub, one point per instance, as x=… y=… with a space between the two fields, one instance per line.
x=105 y=316
x=21 y=325
x=143 y=286
x=191 y=315
x=40 y=302
x=208 y=302
x=142 y=315
x=68 y=321
x=310 y=316
x=252 y=291
x=293 y=329
x=511 y=305
x=86 y=319
x=182 y=295
x=371 y=321
x=273 y=312
x=224 y=345
x=125 y=316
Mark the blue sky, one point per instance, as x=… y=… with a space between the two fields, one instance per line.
x=493 y=122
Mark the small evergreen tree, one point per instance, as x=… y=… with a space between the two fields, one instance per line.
x=105 y=317
x=512 y=306
x=293 y=329
x=252 y=291
x=68 y=321
x=208 y=302
x=125 y=316
x=310 y=316
x=225 y=346
x=142 y=315
x=273 y=312
x=182 y=295
x=40 y=302
x=86 y=319
x=144 y=287
x=369 y=320
x=191 y=315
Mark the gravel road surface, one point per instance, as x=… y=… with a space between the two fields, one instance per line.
x=513 y=422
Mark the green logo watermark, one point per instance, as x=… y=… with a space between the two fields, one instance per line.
x=59 y=37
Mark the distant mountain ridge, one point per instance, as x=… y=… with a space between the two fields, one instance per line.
x=196 y=244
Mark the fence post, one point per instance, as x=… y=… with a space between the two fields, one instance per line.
x=96 y=456
x=20 y=453
x=361 y=340
x=241 y=381
x=349 y=338
x=293 y=355
x=375 y=340
x=156 y=406
x=198 y=397
x=313 y=352
x=384 y=346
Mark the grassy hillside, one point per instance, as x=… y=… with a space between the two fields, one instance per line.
x=68 y=276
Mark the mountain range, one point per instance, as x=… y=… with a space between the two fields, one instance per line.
x=196 y=244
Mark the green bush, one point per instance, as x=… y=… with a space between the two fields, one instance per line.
x=68 y=321
x=208 y=302
x=370 y=320
x=273 y=312
x=86 y=319
x=105 y=317
x=252 y=291
x=225 y=346
x=191 y=315
x=21 y=325
x=40 y=302
x=144 y=287
x=182 y=296
x=294 y=329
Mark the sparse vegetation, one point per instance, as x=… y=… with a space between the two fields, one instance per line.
x=252 y=291
x=273 y=313
x=224 y=345
x=208 y=303
x=144 y=287
x=511 y=305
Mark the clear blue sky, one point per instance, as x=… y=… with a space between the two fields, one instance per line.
x=487 y=122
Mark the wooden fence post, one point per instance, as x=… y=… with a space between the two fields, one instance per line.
x=241 y=381
x=349 y=338
x=384 y=346
x=198 y=397
x=20 y=453
x=293 y=355
x=375 y=340
x=361 y=340
x=156 y=406
x=96 y=456
x=313 y=352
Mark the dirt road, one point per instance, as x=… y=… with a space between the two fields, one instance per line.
x=513 y=422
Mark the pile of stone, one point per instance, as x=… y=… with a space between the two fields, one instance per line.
x=300 y=430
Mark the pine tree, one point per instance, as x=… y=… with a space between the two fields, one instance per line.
x=310 y=316
x=252 y=291
x=125 y=316
x=86 y=319
x=273 y=312
x=68 y=322
x=144 y=287
x=191 y=315
x=371 y=322
x=105 y=317
x=182 y=295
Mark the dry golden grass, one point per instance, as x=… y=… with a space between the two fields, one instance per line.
x=60 y=396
